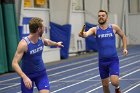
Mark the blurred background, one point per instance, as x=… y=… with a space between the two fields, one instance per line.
x=63 y=21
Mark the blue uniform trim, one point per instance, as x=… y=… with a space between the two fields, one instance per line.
x=27 y=40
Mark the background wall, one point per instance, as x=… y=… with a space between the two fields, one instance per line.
x=116 y=7
x=91 y=9
x=77 y=21
x=134 y=31
x=61 y=13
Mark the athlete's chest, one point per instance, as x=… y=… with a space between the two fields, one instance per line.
x=108 y=33
x=35 y=48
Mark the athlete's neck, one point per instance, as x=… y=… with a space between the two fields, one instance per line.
x=33 y=38
x=104 y=26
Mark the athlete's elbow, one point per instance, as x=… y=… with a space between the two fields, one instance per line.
x=124 y=37
x=14 y=63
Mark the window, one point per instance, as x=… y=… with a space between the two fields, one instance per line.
x=27 y=3
x=36 y=3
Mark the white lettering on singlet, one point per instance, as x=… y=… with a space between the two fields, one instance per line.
x=36 y=50
x=105 y=35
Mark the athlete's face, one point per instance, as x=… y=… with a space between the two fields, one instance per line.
x=102 y=18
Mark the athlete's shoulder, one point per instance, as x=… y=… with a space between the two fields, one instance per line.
x=93 y=30
x=23 y=42
x=115 y=26
x=22 y=45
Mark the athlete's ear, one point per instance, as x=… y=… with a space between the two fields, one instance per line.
x=107 y=18
x=39 y=29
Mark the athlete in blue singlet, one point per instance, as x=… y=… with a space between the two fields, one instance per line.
x=30 y=50
x=108 y=58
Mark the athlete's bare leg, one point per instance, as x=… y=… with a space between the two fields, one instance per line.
x=115 y=82
x=105 y=83
x=44 y=91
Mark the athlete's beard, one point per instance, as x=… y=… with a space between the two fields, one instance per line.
x=101 y=22
x=40 y=34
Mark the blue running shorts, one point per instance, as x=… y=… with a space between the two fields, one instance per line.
x=108 y=67
x=41 y=81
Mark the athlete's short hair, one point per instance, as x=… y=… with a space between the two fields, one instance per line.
x=34 y=24
x=103 y=11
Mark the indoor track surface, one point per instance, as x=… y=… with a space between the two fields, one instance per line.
x=80 y=75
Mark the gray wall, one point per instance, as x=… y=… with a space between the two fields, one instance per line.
x=91 y=9
x=59 y=11
x=134 y=31
x=116 y=6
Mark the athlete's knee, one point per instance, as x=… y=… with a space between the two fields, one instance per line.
x=115 y=80
x=115 y=83
x=105 y=85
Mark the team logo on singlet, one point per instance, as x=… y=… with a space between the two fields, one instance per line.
x=36 y=50
x=105 y=35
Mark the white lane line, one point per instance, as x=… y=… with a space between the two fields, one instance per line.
x=11 y=86
x=132 y=88
x=91 y=69
x=97 y=68
x=9 y=80
x=84 y=72
x=91 y=78
x=88 y=65
x=76 y=68
x=134 y=79
x=110 y=82
x=95 y=84
x=73 y=69
x=53 y=69
x=73 y=75
x=74 y=84
x=68 y=70
x=48 y=75
x=50 y=69
x=72 y=64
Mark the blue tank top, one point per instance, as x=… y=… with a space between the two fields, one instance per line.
x=106 y=42
x=32 y=62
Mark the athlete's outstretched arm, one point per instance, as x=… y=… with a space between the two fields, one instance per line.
x=48 y=42
x=122 y=35
x=91 y=31
x=22 y=47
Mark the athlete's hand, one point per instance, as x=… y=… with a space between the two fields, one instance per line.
x=82 y=34
x=27 y=82
x=125 y=52
x=59 y=44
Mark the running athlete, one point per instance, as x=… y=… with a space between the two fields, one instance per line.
x=108 y=58
x=30 y=50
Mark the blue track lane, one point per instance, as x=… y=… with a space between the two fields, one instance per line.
x=80 y=75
